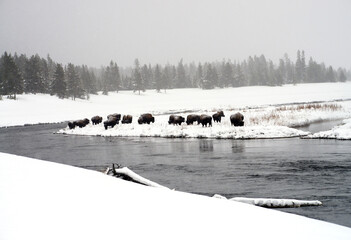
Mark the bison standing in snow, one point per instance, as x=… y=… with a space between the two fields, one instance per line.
x=237 y=119
x=174 y=119
x=127 y=119
x=80 y=123
x=116 y=115
x=146 y=118
x=111 y=122
x=190 y=119
x=205 y=119
x=217 y=116
x=96 y=120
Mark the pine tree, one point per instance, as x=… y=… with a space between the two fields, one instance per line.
x=166 y=77
x=210 y=77
x=11 y=82
x=58 y=86
x=181 y=81
x=137 y=79
x=298 y=68
x=303 y=67
x=227 y=75
x=34 y=79
x=330 y=76
x=239 y=78
x=341 y=75
x=199 y=76
x=74 y=88
x=158 y=78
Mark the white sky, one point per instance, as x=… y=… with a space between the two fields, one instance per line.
x=160 y=31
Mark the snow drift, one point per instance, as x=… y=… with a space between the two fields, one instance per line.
x=44 y=200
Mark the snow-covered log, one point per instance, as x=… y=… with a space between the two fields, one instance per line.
x=127 y=174
x=274 y=203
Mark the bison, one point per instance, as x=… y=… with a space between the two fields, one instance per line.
x=205 y=119
x=116 y=115
x=190 y=119
x=111 y=122
x=96 y=120
x=71 y=125
x=174 y=119
x=217 y=116
x=146 y=118
x=127 y=119
x=80 y=123
x=237 y=119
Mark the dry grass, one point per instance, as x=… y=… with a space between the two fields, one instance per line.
x=272 y=116
x=323 y=107
x=277 y=115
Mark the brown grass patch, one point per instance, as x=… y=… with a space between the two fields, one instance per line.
x=323 y=107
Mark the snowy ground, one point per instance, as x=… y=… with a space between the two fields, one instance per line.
x=261 y=106
x=44 y=200
x=341 y=132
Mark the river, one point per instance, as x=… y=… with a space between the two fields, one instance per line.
x=278 y=168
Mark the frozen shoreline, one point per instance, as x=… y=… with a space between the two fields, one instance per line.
x=261 y=107
x=86 y=204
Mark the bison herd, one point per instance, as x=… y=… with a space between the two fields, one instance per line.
x=236 y=119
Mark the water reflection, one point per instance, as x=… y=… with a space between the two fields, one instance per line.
x=206 y=145
x=238 y=146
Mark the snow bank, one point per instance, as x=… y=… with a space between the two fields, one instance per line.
x=219 y=131
x=45 y=200
x=341 y=132
x=260 y=123
x=273 y=202
x=39 y=108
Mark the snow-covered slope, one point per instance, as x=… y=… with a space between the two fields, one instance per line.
x=39 y=108
x=341 y=132
x=44 y=200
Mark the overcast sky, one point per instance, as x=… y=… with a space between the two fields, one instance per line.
x=160 y=31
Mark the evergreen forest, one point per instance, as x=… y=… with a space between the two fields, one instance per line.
x=34 y=74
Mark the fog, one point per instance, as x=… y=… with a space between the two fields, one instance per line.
x=160 y=31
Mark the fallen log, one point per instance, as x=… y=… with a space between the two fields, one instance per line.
x=128 y=175
x=273 y=202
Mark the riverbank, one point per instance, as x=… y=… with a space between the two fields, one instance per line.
x=87 y=204
x=270 y=112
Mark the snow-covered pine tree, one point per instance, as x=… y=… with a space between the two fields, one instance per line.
x=34 y=79
x=11 y=81
x=158 y=78
x=137 y=79
x=58 y=85
x=74 y=86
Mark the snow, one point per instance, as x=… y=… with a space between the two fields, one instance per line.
x=45 y=200
x=137 y=177
x=260 y=106
x=273 y=202
x=341 y=132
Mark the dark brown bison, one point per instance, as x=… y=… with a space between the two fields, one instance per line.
x=217 y=116
x=190 y=119
x=96 y=120
x=146 y=118
x=237 y=119
x=127 y=119
x=176 y=120
x=111 y=122
x=116 y=115
x=80 y=123
x=205 y=119
x=71 y=125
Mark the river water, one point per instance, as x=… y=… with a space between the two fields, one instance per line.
x=278 y=168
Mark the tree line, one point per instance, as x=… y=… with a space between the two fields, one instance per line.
x=21 y=74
